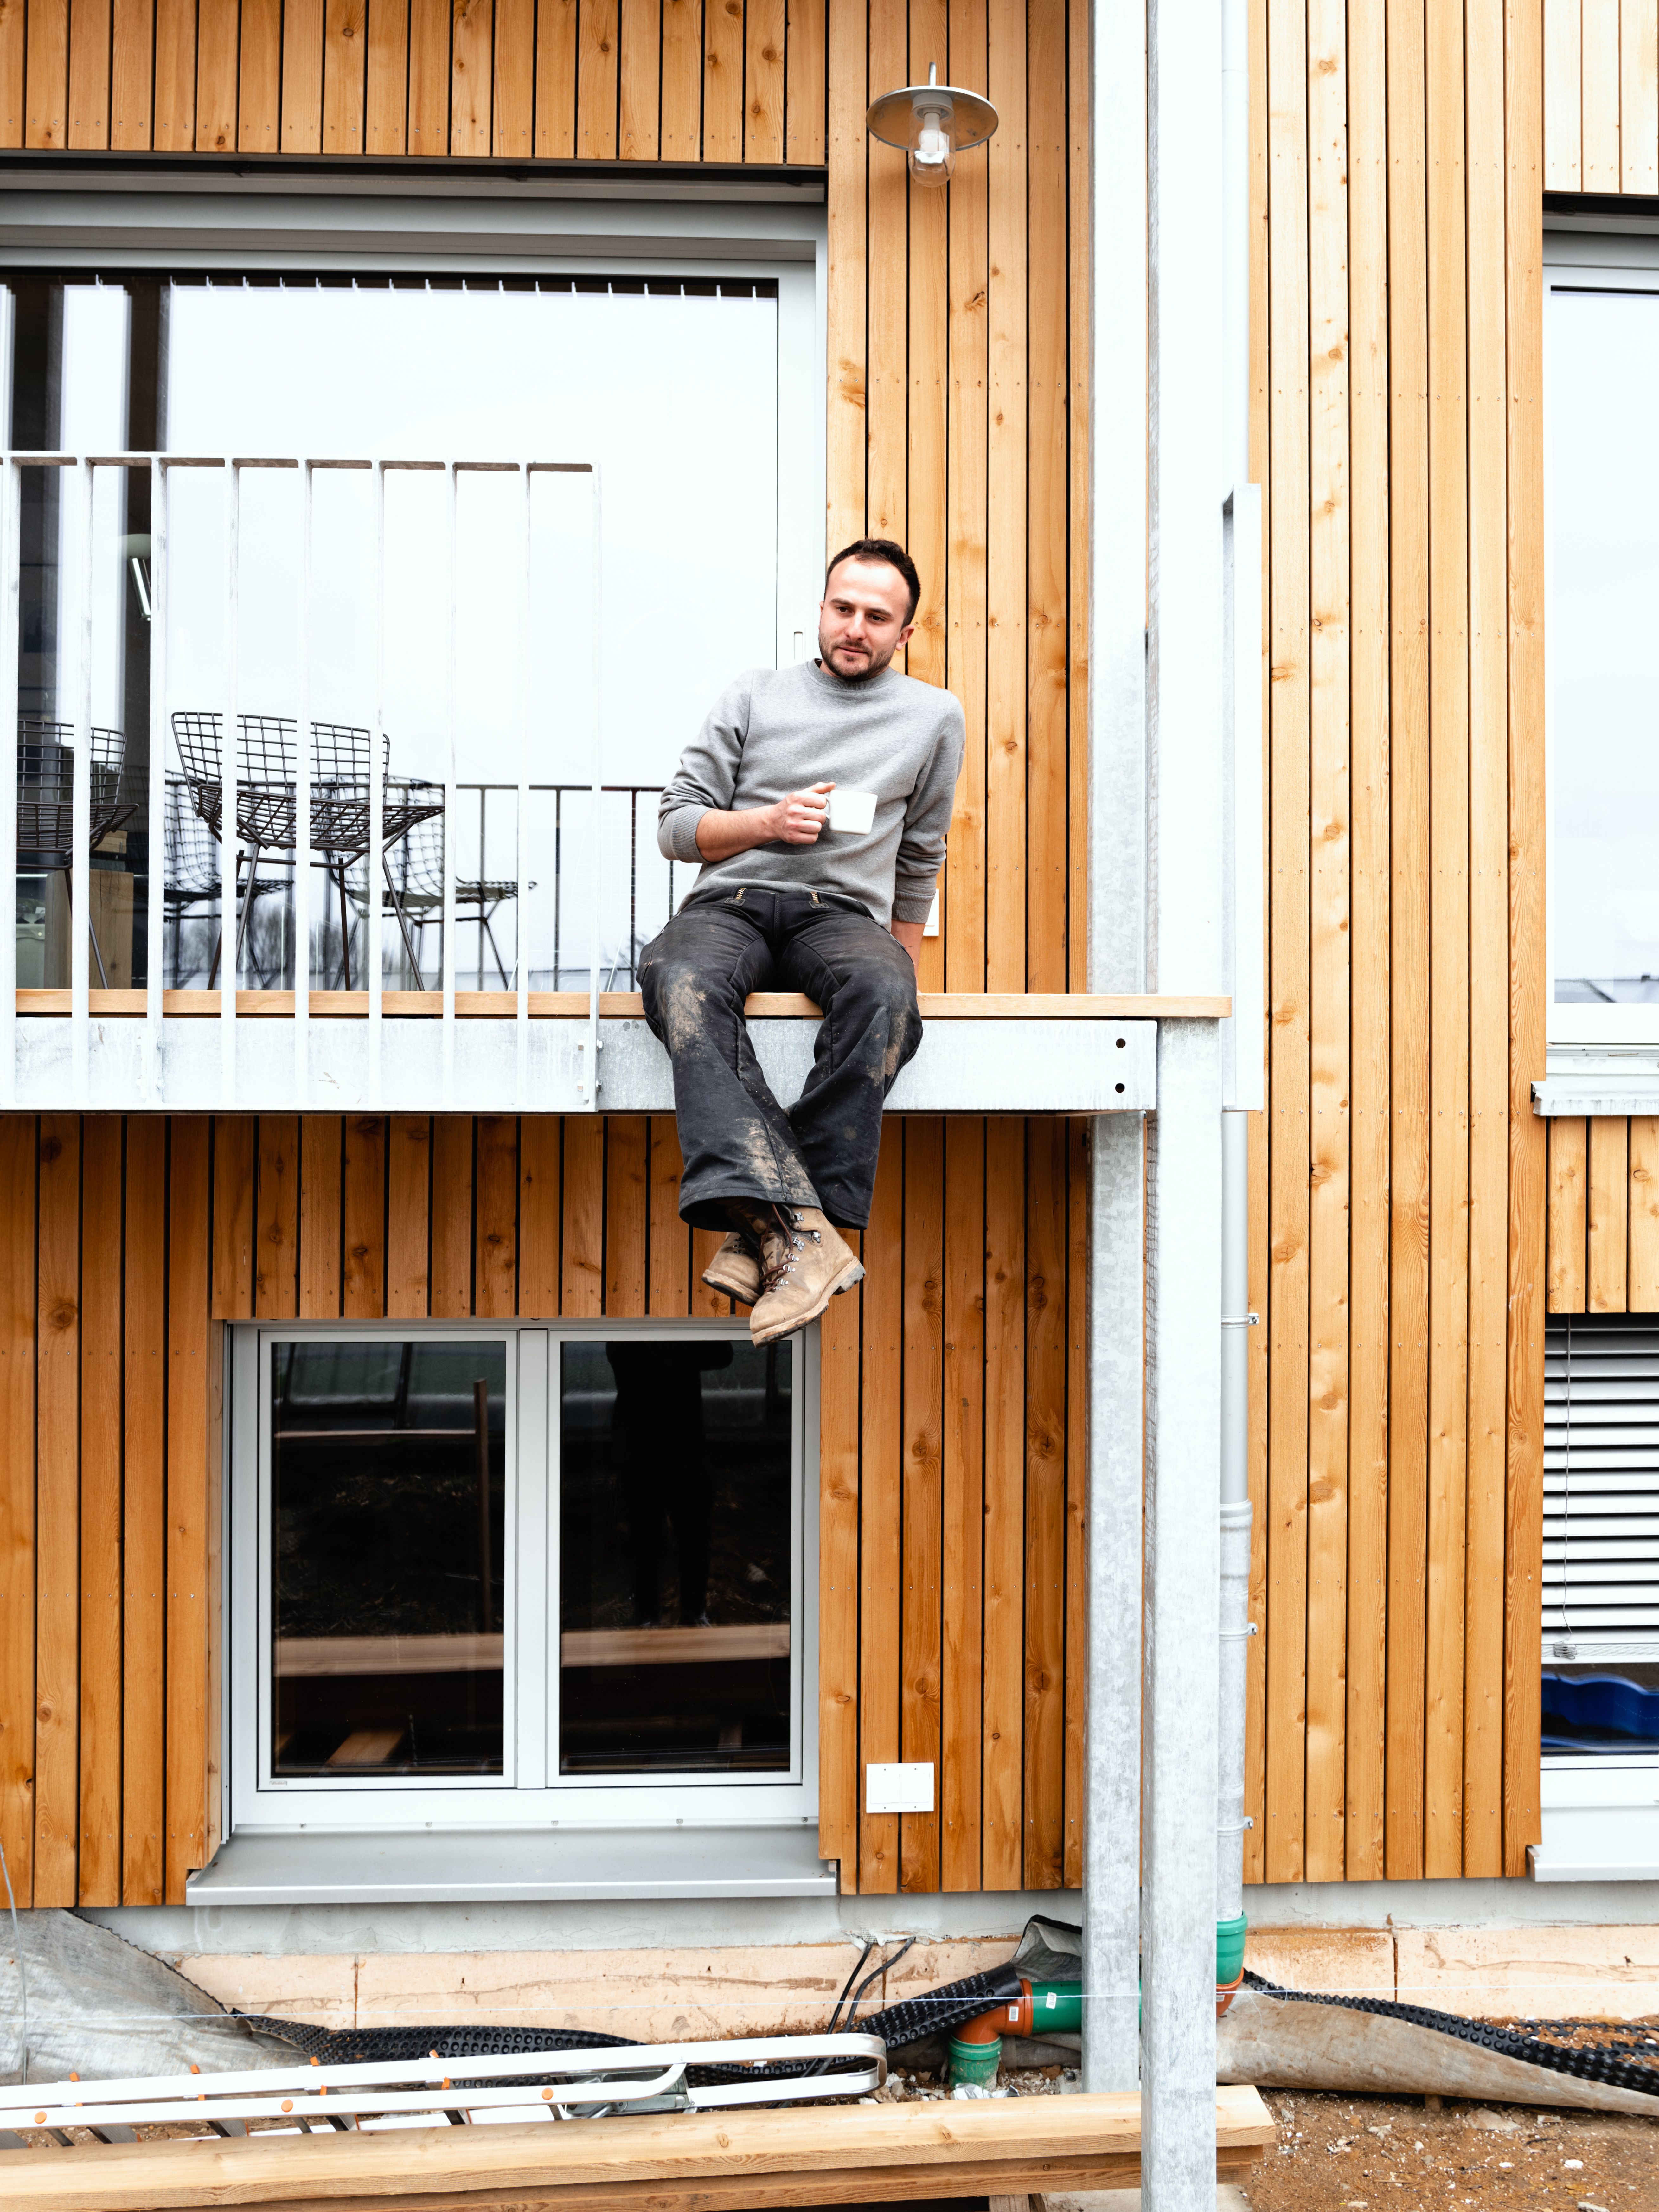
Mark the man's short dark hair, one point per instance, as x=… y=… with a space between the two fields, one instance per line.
x=881 y=549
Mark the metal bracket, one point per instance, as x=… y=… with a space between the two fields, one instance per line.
x=1240 y=1321
x=1236 y=1635
x=1234 y=1827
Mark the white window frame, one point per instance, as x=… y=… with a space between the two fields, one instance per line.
x=531 y=1793
x=1627 y=262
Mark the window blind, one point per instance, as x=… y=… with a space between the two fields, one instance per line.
x=1600 y=1578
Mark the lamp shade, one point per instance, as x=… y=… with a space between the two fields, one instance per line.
x=932 y=123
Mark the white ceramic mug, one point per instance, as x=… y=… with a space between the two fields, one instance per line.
x=852 y=813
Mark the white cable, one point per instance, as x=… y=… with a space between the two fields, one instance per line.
x=22 y=1970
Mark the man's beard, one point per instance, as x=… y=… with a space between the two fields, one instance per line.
x=872 y=666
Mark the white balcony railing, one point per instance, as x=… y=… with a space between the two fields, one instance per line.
x=409 y=862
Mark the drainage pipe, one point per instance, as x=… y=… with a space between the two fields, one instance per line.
x=1236 y=1626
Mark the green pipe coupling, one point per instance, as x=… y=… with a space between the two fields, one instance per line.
x=1229 y=1951
x=976 y=2061
x=1056 y=2008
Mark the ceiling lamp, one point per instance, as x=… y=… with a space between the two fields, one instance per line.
x=933 y=122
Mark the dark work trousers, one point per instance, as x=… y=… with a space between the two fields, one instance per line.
x=737 y=1141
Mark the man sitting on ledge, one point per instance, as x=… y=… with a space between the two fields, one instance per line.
x=818 y=798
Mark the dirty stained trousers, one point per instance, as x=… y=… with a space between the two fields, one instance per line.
x=737 y=1141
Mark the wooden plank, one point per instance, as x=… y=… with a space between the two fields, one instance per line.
x=627 y=1172
x=722 y=80
x=969 y=277
x=538 y=1216
x=187 y=1507
x=670 y=1242
x=1002 y=1705
x=1079 y=288
x=513 y=130
x=143 y=1517
x=385 y=96
x=1048 y=826
x=260 y=100
x=1045 y=1504
x=1077 y=1482
x=1608 y=1209
x=57 y=1577
x=363 y=1217
x=881 y=1605
x=640 y=126
x=234 y=1152
x=555 y=79
x=927 y=428
x=1569 y=1214
x=838 y=1580
x=1409 y=1190
x=680 y=89
x=1330 y=936
x=1288 y=975
x=452 y=1215
x=217 y=59
x=495 y=1235
x=1523 y=172
x=764 y=33
x=1369 y=985
x=1598 y=108
x=99 y=1814
x=345 y=74
x=596 y=80
x=319 y=1217
x=887 y=429
x=18 y=1173
x=277 y=1241
x=1006 y=492
x=471 y=43
x=1448 y=864
x=1638 y=97
x=1642 y=1284
x=1483 y=1662
x=1563 y=85
x=581 y=1259
x=920 y=1733
x=48 y=74
x=132 y=43
x=428 y=76
x=962 y=1563
x=302 y=76
x=805 y=103
x=90 y=72
x=848 y=262
x=408 y=1218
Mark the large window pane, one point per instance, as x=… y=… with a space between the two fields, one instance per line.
x=676 y=1550
x=389 y=1564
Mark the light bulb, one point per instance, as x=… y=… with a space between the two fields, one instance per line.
x=932 y=157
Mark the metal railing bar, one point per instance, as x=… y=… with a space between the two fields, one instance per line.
x=11 y=570
x=375 y=857
x=155 y=952
x=303 y=856
x=230 y=935
x=80 y=867
x=451 y=577
x=521 y=857
x=597 y=618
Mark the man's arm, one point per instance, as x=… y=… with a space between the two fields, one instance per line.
x=795 y=819
x=908 y=934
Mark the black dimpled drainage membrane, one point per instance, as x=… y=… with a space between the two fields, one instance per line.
x=1596 y=2065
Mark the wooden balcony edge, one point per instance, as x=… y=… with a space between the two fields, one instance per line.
x=619 y=1005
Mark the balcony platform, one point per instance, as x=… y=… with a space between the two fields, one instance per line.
x=1007 y=1053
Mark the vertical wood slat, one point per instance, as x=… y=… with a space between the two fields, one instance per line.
x=670 y=1247
x=56 y=1579
x=927 y=440
x=320 y=1217
x=1048 y=642
x=48 y=68
x=363 y=1217
x=1076 y=1432
x=582 y=1250
x=1598 y=105
x=143 y=1545
x=1044 y=1719
x=471 y=43
x=174 y=81
x=722 y=80
x=881 y=1598
x=408 y=1225
x=839 y=1507
x=968 y=275
x=276 y=1239
x=639 y=128
x=764 y=32
x=1641 y=1287
x=1608 y=1217
x=452 y=1216
x=849 y=265
x=1638 y=97
x=98 y=1813
x=555 y=79
x=1569 y=1214
x=1563 y=93
x=680 y=109
x=19 y=1178
x=233 y=1142
x=887 y=468
x=89 y=59
x=1007 y=488
x=626 y=1172
x=428 y=76
x=1002 y=1814
x=922 y=1508
x=1080 y=145
x=345 y=75
x=962 y=1570
x=385 y=87
x=803 y=109
x=302 y=76
x=512 y=134
x=596 y=80
x=495 y=1234
x=218 y=28
x=187 y=1505
x=539 y=1217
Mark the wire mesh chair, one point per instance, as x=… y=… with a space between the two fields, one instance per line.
x=415 y=878
x=46 y=802
x=191 y=879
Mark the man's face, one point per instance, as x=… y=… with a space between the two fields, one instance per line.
x=862 y=620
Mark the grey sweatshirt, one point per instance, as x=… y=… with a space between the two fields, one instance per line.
x=779 y=730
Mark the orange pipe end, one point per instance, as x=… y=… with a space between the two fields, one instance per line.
x=1013 y=2018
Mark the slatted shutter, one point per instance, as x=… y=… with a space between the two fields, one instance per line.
x=1601 y=1487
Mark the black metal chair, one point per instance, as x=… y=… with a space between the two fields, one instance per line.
x=46 y=802
x=415 y=878
x=191 y=876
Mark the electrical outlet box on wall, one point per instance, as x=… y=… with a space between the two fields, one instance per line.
x=906 y=1787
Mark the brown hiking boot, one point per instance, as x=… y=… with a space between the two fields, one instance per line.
x=807 y=1262
x=735 y=1271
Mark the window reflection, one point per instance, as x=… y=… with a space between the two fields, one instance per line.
x=675 y=1557
x=388 y=1557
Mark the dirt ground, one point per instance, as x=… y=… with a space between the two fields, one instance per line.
x=1341 y=2154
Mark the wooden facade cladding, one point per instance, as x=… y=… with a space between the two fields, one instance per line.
x=1601 y=96
x=1604 y=1215
x=951 y=1447
x=1398 y=1174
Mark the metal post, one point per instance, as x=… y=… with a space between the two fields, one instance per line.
x=302 y=854
x=230 y=964
x=80 y=871
x=1181 y=1647
x=11 y=576
x=451 y=585
x=1235 y=1516
x=374 y=859
x=156 y=914
x=521 y=846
